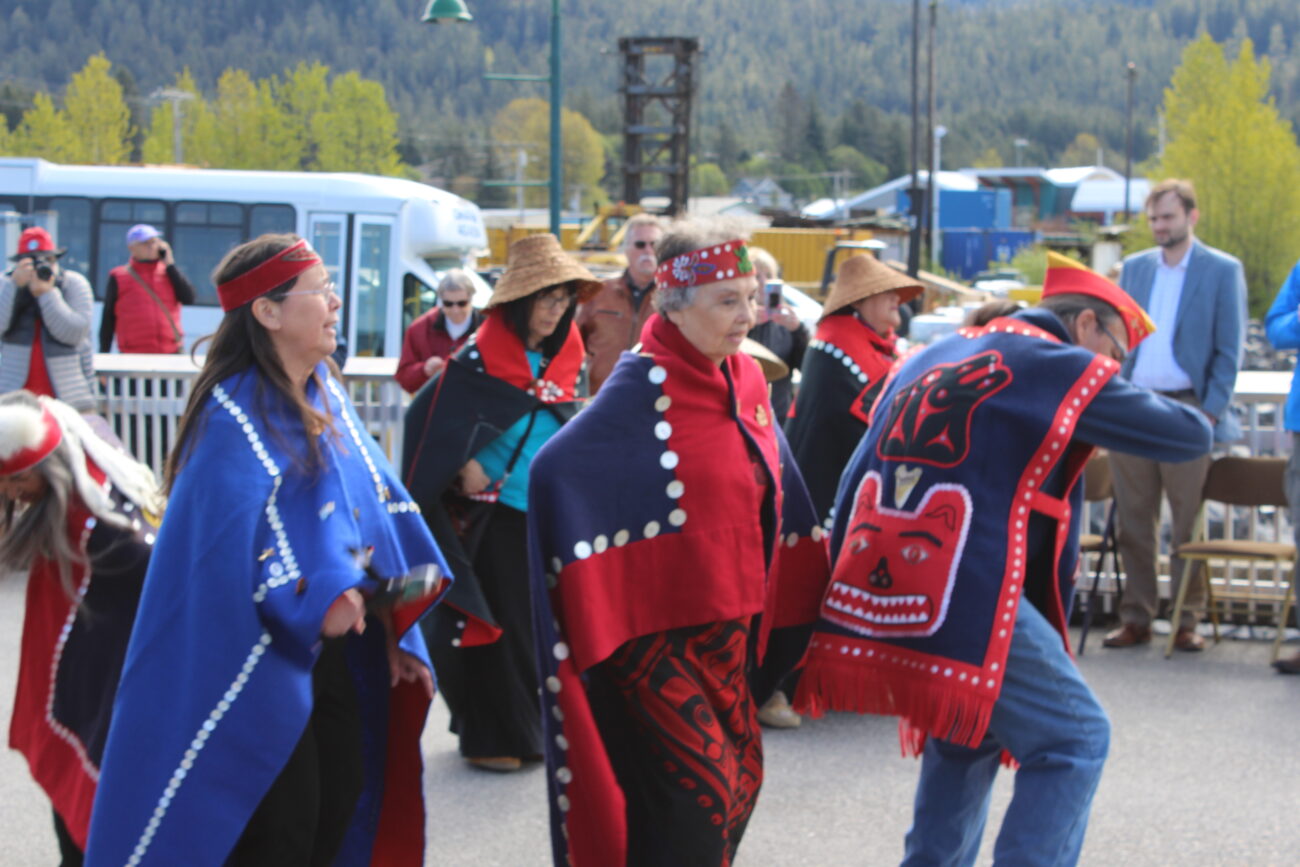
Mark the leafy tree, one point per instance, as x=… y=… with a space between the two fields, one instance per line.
x=791 y=119
x=528 y=122
x=707 y=179
x=728 y=149
x=198 y=128
x=990 y=159
x=99 y=123
x=250 y=129
x=303 y=95
x=815 y=138
x=1225 y=135
x=44 y=132
x=864 y=172
x=1085 y=150
x=357 y=131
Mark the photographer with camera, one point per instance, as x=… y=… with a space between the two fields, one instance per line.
x=45 y=315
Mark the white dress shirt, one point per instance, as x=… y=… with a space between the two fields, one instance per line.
x=1155 y=367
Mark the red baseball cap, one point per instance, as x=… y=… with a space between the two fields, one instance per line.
x=36 y=240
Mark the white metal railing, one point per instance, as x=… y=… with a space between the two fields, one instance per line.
x=143 y=397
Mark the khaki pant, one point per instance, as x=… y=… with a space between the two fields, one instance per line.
x=1139 y=485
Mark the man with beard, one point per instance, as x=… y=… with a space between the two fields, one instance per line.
x=1197 y=297
x=611 y=322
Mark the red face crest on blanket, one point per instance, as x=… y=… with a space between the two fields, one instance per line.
x=929 y=421
x=895 y=571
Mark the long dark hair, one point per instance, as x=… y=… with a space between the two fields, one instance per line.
x=240 y=344
x=519 y=312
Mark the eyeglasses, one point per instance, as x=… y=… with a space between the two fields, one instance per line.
x=327 y=289
x=555 y=302
x=641 y=245
x=1123 y=353
x=464 y=303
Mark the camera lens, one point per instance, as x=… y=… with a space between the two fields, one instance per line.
x=43 y=271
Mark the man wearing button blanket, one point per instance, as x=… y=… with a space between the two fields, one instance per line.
x=954 y=549
x=676 y=567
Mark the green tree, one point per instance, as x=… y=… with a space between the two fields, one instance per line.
x=1085 y=150
x=357 y=131
x=303 y=95
x=250 y=129
x=1225 y=135
x=99 y=123
x=528 y=122
x=44 y=132
x=864 y=172
x=990 y=159
x=707 y=179
x=198 y=128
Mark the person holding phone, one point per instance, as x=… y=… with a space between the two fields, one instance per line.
x=778 y=328
x=45 y=315
x=143 y=298
x=435 y=336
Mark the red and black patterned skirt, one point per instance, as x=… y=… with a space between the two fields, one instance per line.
x=678 y=723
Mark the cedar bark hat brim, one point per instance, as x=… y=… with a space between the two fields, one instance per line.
x=539 y=262
x=863 y=276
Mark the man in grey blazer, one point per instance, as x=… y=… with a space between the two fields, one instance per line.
x=1197 y=297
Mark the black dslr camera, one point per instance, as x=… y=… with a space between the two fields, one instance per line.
x=43 y=271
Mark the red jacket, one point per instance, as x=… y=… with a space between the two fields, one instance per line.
x=426 y=338
x=143 y=323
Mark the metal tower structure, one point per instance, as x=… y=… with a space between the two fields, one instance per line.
x=658 y=88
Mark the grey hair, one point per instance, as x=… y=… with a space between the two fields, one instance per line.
x=639 y=220
x=765 y=261
x=1068 y=306
x=687 y=236
x=456 y=278
x=40 y=529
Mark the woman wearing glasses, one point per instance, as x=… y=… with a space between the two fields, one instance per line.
x=435 y=336
x=470 y=438
x=273 y=693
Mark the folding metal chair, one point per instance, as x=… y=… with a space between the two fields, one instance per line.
x=1245 y=483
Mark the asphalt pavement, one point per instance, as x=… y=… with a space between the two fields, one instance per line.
x=1203 y=771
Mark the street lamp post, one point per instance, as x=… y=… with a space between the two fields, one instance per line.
x=914 y=191
x=936 y=166
x=1130 y=71
x=1021 y=144
x=176 y=97
x=443 y=11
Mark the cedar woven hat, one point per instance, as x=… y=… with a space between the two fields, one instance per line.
x=536 y=262
x=864 y=275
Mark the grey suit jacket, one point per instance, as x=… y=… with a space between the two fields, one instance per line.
x=1210 y=325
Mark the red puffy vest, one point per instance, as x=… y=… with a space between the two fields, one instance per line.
x=142 y=326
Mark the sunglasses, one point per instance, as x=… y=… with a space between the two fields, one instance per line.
x=455 y=303
x=641 y=245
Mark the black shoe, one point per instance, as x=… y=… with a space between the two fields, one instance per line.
x=1287 y=665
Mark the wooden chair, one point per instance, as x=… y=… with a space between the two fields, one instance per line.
x=1247 y=483
x=1098 y=487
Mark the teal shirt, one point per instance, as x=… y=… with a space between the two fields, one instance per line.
x=496 y=454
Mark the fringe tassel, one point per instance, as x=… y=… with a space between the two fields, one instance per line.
x=930 y=707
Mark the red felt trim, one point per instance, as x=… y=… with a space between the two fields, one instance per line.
x=399 y=838
x=505 y=358
x=276 y=271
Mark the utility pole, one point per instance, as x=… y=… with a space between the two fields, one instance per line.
x=933 y=192
x=175 y=96
x=914 y=191
x=1130 y=71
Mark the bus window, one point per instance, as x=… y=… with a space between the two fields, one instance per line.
x=205 y=232
x=371 y=303
x=417 y=298
x=115 y=217
x=73 y=232
x=264 y=219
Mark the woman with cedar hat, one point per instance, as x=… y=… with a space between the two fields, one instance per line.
x=673 y=549
x=471 y=435
x=45 y=315
x=845 y=366
x=80 y=516
x=273 y=695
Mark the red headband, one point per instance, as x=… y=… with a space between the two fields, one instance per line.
x=706 y=265
x=26 y=458
x=276 y=271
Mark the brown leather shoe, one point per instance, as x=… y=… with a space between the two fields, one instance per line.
x=1187 y=639
x=1128 y=635
x=496 y=764
x=1288 y=664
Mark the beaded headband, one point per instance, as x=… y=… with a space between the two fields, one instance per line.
x=276 y=271
x=714 y=264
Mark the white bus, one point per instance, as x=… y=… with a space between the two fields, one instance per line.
x=386 y=241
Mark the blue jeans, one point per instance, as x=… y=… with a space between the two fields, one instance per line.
x=1050 y=721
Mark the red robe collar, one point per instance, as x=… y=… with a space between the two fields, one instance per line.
x=858 y=340
x=505 y=357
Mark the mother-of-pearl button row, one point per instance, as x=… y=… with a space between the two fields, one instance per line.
x=196 y=746
x=286 y=569
x=903 y=661
x=668 y=459
x=563 y=775
x=87 y=766
x=380 y=490
x=840 y=355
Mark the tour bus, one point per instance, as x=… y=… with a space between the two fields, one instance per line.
x=386 y=241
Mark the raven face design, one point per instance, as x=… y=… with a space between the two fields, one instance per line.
x=895 y=572
x=929 y=421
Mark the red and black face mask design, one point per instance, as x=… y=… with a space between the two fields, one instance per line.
x=929 y=421
x=895 y=572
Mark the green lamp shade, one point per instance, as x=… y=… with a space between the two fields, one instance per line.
x=440 y=11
